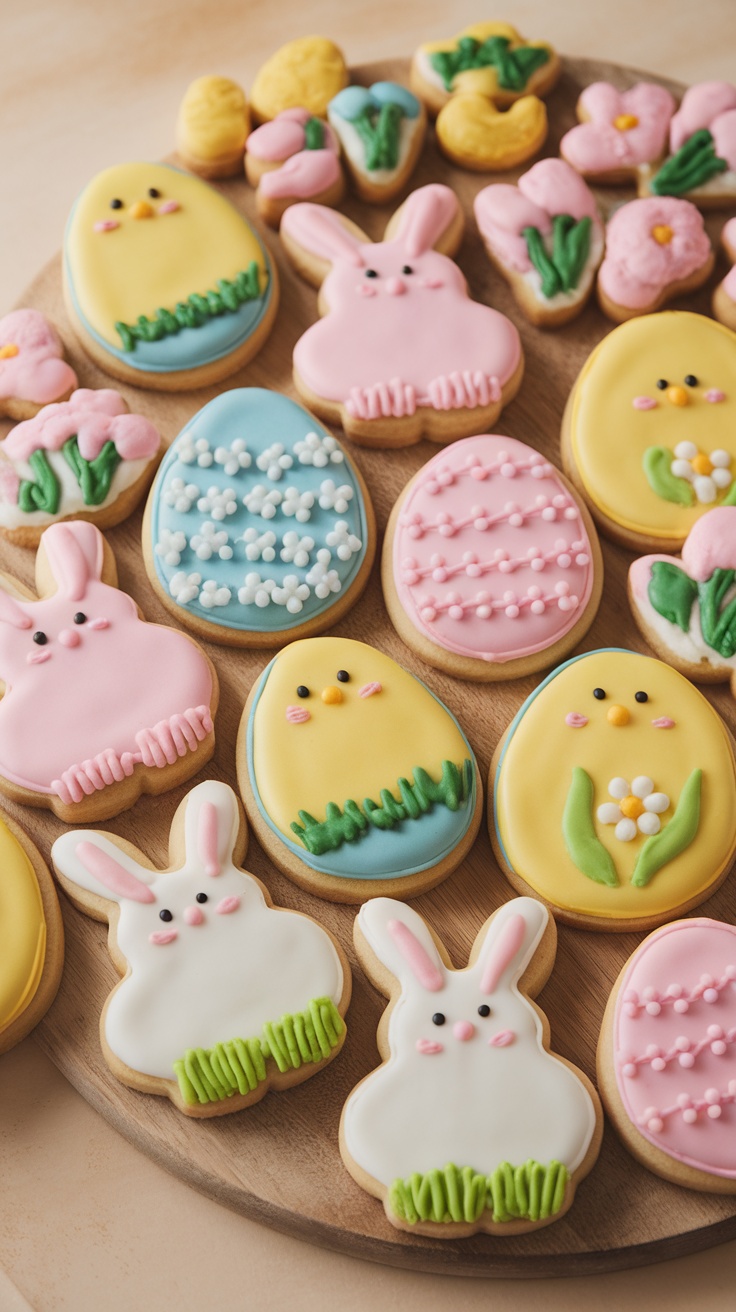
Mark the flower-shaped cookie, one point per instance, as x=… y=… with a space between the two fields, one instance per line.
x=32 y=371
x=656 y=248
x=618 y=130
x=702 y=161
x=636 y=810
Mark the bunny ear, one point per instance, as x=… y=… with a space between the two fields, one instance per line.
x=74 y=552
x=93 y=862
x=211 y=826
x=402 y=943
x=509 y=943
x=320 y=231
x=424 y=218
x=12 y=613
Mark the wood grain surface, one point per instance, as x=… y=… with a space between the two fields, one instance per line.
x=278 y=1162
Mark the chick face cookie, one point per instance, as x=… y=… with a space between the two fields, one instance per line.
x=295 y=156
x=381 y=130
x=304 y=73
x=225 y=995
x=259 y=528
x=615 y=793
x=702 y=160
x=356 y=778
x=491 y=59
x=166 y=284
x=212 y=126
x=656 y=249
x=31 y=936
x=33 y=371
x=618 y=131
x=648 y=431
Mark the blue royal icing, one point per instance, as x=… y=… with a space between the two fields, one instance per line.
x=351 y=102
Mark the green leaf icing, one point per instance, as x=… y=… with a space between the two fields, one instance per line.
x=583 y=844
x=452 y=790
x=544 y=265
x=675 y=837
x=314 y=134
x=693 y=164
x=379 y=131
x=514 y=67
x=195 y=311
x=718 y=626
x=530 y=1192
x=45 y=492
x=94 y=476
x=239 y=1066
x=672 y=593
x=560 y=271
x=657 y=461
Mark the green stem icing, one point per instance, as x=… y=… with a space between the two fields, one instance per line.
x=560 y=271
x=314 y=134
x=45 y=492
x=514 y=67
x=94 y=476
x=672 y=593
x=379 y=132
x=730 y=497
x=583 y=844
x=693 y=164
x=530 y=1192
x=239 y=1066
x=657 y=461
x=195 y=311
x=453 y=790
x=544 y=265
x=675 y=837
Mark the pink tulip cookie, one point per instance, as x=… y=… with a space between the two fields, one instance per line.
x=702 y=158
x=491 y=566
x=724 y=296
x=545 y=237
x=224 y=995
x=667 y=1054
x=33 y=371
x=471 y=1123
x=99 y=706
x=618 y=131
x=401 y=351
x=293 y=157
x=656 y=249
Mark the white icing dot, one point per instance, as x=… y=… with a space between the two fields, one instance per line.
x=642 y=786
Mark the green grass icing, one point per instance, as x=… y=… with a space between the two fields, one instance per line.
x=228 y=296
x=531 y=1192
x=560 y=271
x=694 y=164
x=514 y=67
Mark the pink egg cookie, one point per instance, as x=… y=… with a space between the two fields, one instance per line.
x=724 y=296
x=702 y=158
x=295 y=156
x=667 y=1054
x=618 y=131
x=33 y=371
x=656 y=249
x=491 y=566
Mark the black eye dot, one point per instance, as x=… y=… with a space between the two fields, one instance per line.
x=599 y=694
x=201 y=897
x=484 y=1009
x=116 y=204
x=80 y=617
x=641 y=696
x=371 y=273
x=662 y=384
x=165 y=915
x=40 y=638
x=691 y=380
x=302 y=691
x=407 y=269
x=154 y=193
x=438 y=1018
x=343 y=676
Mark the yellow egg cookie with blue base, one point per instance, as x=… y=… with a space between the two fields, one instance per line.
x=614 y=793
x=305 y=74
x=490 y=59
x=649 y=430
x=356 y=778
x=166 y=284
x=31 y=936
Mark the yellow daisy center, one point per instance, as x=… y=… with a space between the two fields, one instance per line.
x=631 y=807
x=663 y=233
x=625 y=122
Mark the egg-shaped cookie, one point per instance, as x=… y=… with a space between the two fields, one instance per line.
x=306 y=72
x=31 y=936
x=212 y=126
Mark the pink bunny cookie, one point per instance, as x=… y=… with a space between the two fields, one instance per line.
x=724 y=296
x=99 y=706
x=471 y=1123
x=33 y=371
x=656 y=249
x=618 y=131
x=224 y=995
x=402 y=352
x=293 y=157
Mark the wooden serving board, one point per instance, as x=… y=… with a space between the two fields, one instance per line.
x=278 y=1162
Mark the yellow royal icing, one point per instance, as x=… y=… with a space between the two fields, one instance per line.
x=470 y=126
x=304 y=74
x=22 y=930
x=213 y=119
x=536 y=770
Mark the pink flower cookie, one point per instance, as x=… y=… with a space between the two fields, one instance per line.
x=491 y=567
x=618 y=131
x=667 y=1054
x=402 y=351
x=99 y=706
x=546 y=237
x=293 y=157
x=724 y=296
x=33 y=371
x=702 y=161
x=656 y=249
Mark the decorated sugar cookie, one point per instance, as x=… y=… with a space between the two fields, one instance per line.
x=474 y=133
x=491 y=59
x=99 y=706
x=86 y=458
x=224 y=995
x=649 y=432
x=724 y=296
x=31 y=936
x=357 y=780
x=212 y=127
x=471 y=1123
x=702 y=159
x=656 y=249
x=491 y=567
x=615 y=793
x=402 y=351
x=381 y=129
x=33 y=371
x=546 y=237
x=293 y=157
x=166 y=284
x=259 y=528
x=618 y=131
x=304 y=73
x=667 y=1054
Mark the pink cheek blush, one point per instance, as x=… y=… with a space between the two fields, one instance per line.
x=169 y=207
x=98 y=624
x=428 y=1047
x=38 y=657
x=370 y=689
x=644 y=403
x=433 y=282
x=297 y=714
x=664 y=722
x=160 y=937
x=194 y=915
x=502 y=1039
x=366 y=289
x=574 y=720
x=228 y=905
x=106 y=225
x=715 y=395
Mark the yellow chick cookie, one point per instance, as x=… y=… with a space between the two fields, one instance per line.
x=31 y=937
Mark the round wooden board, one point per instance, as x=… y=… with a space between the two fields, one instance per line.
x=278 y=1162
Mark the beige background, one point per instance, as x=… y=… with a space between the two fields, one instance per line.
x=85 y=1220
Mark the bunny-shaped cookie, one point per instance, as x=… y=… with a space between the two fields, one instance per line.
x=98 y=705
x=402 y=351
x=471 y=1123
x=224 y=995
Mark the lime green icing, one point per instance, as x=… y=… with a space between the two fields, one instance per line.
x=531 y=1192
x=195 y=311
x=675 y=837
x=560 y=271
x=514 y=67
x=694 y=163
x=583 y=844
x=657 y=461
x=45 y=492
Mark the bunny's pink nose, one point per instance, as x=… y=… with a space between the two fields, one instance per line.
x=194 y=915
x=396 y=286
x=463 y=1030
x=69 y=638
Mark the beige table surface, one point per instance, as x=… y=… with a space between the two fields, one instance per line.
x=87 y=1222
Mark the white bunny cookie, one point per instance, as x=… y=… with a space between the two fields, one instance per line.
x=401 y=352
x=224 y=995
x=471 y=1123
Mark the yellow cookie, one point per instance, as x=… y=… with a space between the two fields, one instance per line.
x=212 y=126
x=491 y=59
x=31 y=936
x=475 y=134
x=303 y=74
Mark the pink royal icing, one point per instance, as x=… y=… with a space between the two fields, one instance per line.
x=599 y=146
x=95 y=417
x=303 y=173
x=675 y=1043
x=502 y=212
x=702 y=105
x=728 y=238
x=637 y=267
x=491 y=558
x=36 y=372
x=711 y=543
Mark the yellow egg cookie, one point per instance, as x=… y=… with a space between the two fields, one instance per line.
x=491 y=59
x=305 y=74
x=212 y=126
x=31 y=936
x=474 y=133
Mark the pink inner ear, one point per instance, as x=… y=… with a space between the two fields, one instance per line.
x=416 y=957
x=11 y=613
x=74 y=553
x=427 y=212
x=110 y=873
x=208 y=853
x=503 y=952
